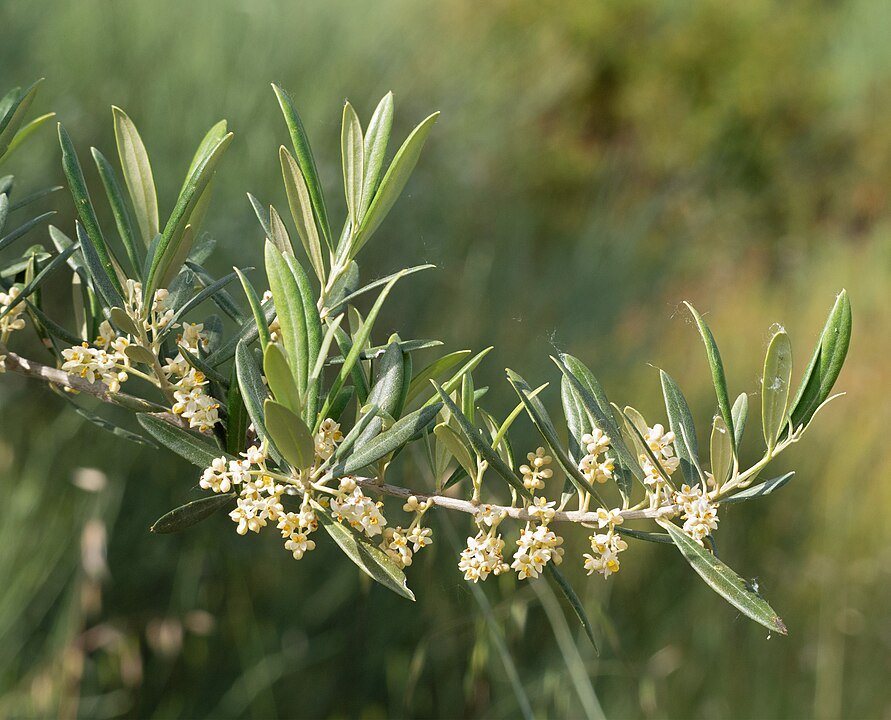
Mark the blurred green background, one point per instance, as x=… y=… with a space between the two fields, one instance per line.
x=595 y=165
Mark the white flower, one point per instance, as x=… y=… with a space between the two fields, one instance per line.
x=256 y=455
x=361 y=512
x=299 y=544
x=420 y=537
x=489 y=514
x=535 y=548
x=482 y=557
x=11 y=321
x=595 y=442
x=542 y=510
x=660 y=441
x=327 y=439
x=609 y=517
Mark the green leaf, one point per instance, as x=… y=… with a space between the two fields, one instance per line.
x=377 y=138
x=78 y=187
x=137 y=174
x=740 y=413
x=15 y=115
x=775 y=387
x=208 y=292
x=663 y=538
x=289 y=434
x=370 y=559
x=205 y=148
x=455 y=445
x=253 y=391
x=596 y=406
x=123 y=321
x=716 y=366
x=372 y=353
x=574 y=601
x=386 y=391
x=313 y=338
x=23 y=134
x=118 y=210
x=350 y=297
x=24 y=228
x=721 y=450
x=138 y=354
x=759 y=490
x=543 y=423
x=724 y=581
x=256 y=309
x=388 y=441
x=278 y=233
x=291 y=317
x=108 y=426
x=393 y=183
x=305 y=160
x=238 y=418
x=681 y=422
x=193 y=448
x=174 y=237
x=106 y=287
x=192 y=513
x=51 y=268
x=247 y=333
x=480 y=446
x=826 y=363
x=369 y=413
x=301 y=210
x=352 y=153
x=455 y=380
x=281 y=378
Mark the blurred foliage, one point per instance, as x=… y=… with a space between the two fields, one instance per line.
x=624 y=156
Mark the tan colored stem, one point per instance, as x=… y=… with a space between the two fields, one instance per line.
x=17 y=364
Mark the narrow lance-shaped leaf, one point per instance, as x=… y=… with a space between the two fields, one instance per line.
x=456 y=447
x=137 y=174
x=313 y=326
x=775 y=387
x=740 y=412
x=238 y=418
x=759 y=490
x=826 y=363
x=377 y=137
x=389 y=441
x=185 y=516
x=373 y=561
x=386 y=391
x=23 y=134
x=393 y=183
x=118 y=210
x=85 y=211
x=256 y=309
x=15 y=114
x=724 y=581
x=303 y=154
x=253 y=391
x=352 y=153
x=716 y=367
x=51 y=268
x=721 y=451
x=681 y=421
x=184 y=443
x=291 y=316
x=107 y=289
x=542 y=421
x=301 y=210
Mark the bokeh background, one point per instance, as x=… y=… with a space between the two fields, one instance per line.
x=596 y=163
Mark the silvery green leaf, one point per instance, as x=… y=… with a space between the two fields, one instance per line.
x=190 y=446
x=221 y=298
x=31 y=287
x=479 y=444
x=393 y=183
x=201 y=365
x=721 y=449
x=382 y=281
x=138 y=354
x=574 y=601
x=24 y=228
x=301 y=210
x=238 y=419
x=377 y=138
x=340 y=402
x=313 y=338
x=192 y=513
x=386 y=390
x=373 y=561
x=352 y=152
x=206 y=148
x=663 y=538
x=775 y=387
x=280 y=378
x=388 y=441
x=208 y=292
x=826 y=363
x=256 y=306
x=14 y=116
x=289 y=434
x=305 y=160
x=53 y=327
x=372 y=353
x=455 y=380
x=681 y=422
x=716 y=366
x=262 y=215
x=106 y=286
x=278 y=233
x=119 y=210
x=368 y=413
x=724 y=581
x=24 y=133
x=759 y=490
x=450 y=440
x=291 y=317
x=740 y=414
x=543 y=423
x=137 y=174
x=30 y=198
x=253 y=390
x=433 y=371
x=322 y=358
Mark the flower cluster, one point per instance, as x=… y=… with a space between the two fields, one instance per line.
x=12 y=320
x=537 y=471
x=605 y=547
x=401 y=543
x=596 y=465
x=536 y=547
x=106 y=362
x=193 y=402
x=483 y=556
x=700 y=514
x=660 y=444
x=361 y=512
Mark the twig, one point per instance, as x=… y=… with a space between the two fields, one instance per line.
x=17 y=364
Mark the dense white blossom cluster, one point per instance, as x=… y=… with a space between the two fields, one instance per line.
x=107 y=359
